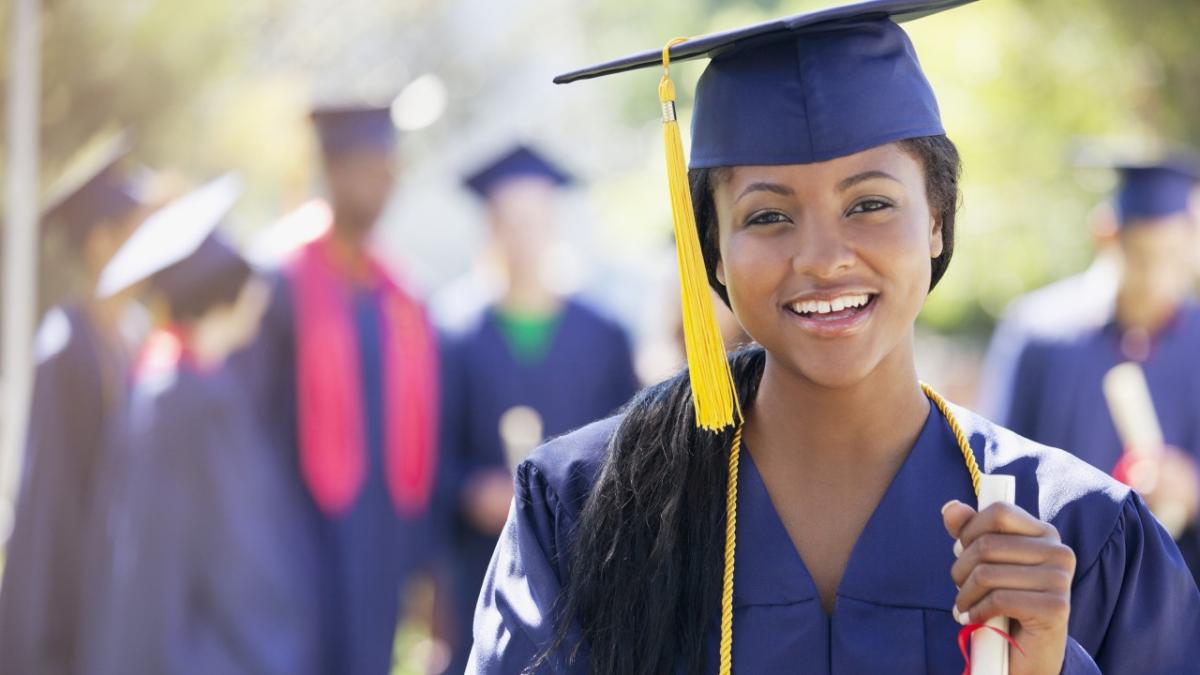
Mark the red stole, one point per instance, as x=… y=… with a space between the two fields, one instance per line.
x=330 y=409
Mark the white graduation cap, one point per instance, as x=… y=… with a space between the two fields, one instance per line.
x=170 y=235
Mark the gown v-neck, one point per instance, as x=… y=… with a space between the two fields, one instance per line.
x=765 y=505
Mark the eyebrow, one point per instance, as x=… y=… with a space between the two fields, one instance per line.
x=761 y=186
x=864 y=176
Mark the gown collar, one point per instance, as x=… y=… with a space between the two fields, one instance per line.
x=903 y=556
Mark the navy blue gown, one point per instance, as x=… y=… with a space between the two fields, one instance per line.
x=79 y=388
x=204 y=563
x=1058 y=397
x=1134 y=605
x=586 y=374
x=368 y=555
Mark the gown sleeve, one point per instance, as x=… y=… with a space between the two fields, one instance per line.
x=1000 y=368
x=1024 y=401
x=515 y=616
x=266 y=367
x=452 y=430
x=1135 y=607
x=39 y=597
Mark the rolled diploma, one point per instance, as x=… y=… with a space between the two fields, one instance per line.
x=1133 y=414
x=1132 y=409
x=989 y=651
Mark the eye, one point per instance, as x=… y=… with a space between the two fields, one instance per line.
x=767 y=218
x=870 y=204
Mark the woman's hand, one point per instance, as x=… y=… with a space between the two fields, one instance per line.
x=1012 y=564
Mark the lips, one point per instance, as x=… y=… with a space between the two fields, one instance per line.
x=835 y=315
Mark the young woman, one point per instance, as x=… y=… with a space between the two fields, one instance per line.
x=824 y=193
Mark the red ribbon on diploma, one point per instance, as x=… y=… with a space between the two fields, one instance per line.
x=964 y=642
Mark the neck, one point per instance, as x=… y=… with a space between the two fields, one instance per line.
x=875 y=420
x=1134 y=315
x=526 y=294
x=105 y=317
x=348 y=249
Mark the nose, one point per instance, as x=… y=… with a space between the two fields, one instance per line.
x=822 y=251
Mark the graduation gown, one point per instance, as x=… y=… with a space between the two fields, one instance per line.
x=205 y=564
x=586 y=374
x=368 y=554
x=79 y=388
x=1134 y=608
x=1058 y=397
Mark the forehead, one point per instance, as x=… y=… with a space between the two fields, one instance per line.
x=520 y=188
x=362 y=158
x=1159 y=232
x=889 y=158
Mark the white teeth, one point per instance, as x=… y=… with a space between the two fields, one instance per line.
x=826 y=306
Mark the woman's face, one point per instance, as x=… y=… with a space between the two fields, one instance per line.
x=827 y=265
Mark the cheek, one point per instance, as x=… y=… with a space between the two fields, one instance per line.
x=755 y=267
x=900 y=250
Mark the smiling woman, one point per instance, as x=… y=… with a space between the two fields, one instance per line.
x=804 y=534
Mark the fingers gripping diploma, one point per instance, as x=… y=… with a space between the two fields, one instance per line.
x=1011 y=564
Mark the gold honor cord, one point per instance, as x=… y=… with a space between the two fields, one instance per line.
x=735 y=452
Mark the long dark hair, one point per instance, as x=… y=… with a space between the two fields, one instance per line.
x=647 y=557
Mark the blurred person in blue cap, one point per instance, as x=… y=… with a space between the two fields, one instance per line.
x=344 y=371
x=807 y=505
x=80 y=387
x=1059 y=393
x=535 y=364
x=1058 y=311
x=202 y=561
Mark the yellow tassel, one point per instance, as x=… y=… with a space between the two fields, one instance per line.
x=713 y=393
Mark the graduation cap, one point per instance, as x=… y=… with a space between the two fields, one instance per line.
x=93 y=189
x=801 y=89
x=177 y=247
x=1153 y=191
x=345 y=129
x=519 y=162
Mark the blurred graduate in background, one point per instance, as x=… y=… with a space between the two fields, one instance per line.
x=1059 y=393
x=344 y=373
x=80 y=387
x=532 y=366
x=203 y=562
x=1061 y=310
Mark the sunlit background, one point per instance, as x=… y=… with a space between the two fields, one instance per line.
x=210 y=86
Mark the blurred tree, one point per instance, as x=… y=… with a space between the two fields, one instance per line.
x=140 y=65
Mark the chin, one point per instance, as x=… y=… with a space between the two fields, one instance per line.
x=831 y=367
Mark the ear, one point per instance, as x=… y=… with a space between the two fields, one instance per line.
x=936 y=244
x=720 y=272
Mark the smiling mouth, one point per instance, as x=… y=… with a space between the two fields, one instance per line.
x=833 y=316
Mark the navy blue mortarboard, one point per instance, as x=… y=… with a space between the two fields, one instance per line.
x=346 y=129
x=519 y=162
x=177 y=246
x=1151 y=192
x=806 y=88
x=95 y=188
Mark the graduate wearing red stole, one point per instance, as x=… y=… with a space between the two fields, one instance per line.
x=344 y=373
